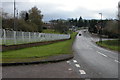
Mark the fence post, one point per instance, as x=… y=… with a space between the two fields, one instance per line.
x=22 y=36
x=29 y=37
x=39 y=36
x=4 y=36
x=34 y=36
x=14 y=32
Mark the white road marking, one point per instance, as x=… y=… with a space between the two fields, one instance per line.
x=74 y=61
x=102 y=54
x=68 y=61
x=69 y=69
x=98 y=46
x=117 y=61
x=82 y=72
x=77 y=65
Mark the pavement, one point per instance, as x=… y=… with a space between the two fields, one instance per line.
x=53 y=67
x=47 y=70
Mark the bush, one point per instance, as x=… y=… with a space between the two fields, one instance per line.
x=111 y=29
x=26 y=26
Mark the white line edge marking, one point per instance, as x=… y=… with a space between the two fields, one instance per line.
x=102 y=54
x=77 y=65
x=117 y=61
x=74 y=61
x=82 y=72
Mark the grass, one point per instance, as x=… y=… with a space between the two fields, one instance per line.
x=39 y=52
x=110 y=44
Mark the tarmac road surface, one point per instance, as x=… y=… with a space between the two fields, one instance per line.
x=92 y=60
x=49 y=70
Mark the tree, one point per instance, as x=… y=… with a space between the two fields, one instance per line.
x=80 y=22
x=92 y=27
x=35 y=17
x=112 y=29
x=85 y=23
x=6 y=20
x=60 y=25
x=24 y=15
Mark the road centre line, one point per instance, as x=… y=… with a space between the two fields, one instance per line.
x=77 y=65
x=74 y=61
x=97 y=46
x=102 y=54
x=82 y=72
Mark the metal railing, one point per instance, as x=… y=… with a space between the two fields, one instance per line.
x=20 y=37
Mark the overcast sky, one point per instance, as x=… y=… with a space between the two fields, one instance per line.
x=64 y=9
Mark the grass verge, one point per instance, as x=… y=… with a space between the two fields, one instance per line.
x=39 y=52
x=110 y=44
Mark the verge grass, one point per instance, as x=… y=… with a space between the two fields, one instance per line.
x=110 y=44
x=39 y=52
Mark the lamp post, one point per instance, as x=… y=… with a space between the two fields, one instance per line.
x=100 y=30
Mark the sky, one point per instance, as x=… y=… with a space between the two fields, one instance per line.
x=64 y=9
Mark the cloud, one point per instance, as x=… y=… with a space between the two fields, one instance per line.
x=55 y=9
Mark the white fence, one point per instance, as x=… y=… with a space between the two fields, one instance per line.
x=20 y=37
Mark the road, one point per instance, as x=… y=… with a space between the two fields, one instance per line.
x=93 y=61
x=90 y=61
x=49 y=70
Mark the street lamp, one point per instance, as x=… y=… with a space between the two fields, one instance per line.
x=100 y=30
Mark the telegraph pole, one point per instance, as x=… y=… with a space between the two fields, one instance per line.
x=17 y=14
x=14 y=15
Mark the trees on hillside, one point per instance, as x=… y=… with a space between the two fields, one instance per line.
x=78 y=23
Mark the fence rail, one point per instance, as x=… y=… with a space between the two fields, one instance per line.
x=20 y=37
